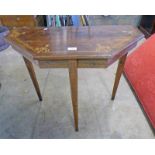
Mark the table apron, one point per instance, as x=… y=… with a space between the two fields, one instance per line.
x=94 y=63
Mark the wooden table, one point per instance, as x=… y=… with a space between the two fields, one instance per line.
x=73 y=48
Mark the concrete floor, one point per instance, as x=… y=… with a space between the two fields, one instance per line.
x=23 y=116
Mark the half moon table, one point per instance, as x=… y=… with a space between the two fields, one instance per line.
x=73 y=48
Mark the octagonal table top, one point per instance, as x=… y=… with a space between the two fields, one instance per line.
x=88 y=42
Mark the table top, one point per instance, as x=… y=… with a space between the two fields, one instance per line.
x=86 y=42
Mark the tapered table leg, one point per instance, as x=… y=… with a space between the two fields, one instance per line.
x=73 y=74
x=33 y=77
x=118 y=75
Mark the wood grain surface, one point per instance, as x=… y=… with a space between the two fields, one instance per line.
x=18 y=20
x=89 y=42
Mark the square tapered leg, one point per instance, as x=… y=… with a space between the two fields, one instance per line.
x=118 y=75
x=32 y=74
x=73 y=74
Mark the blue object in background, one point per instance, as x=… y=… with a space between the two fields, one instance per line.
x=76 y=20
x=3 y=32
x=49 y=20
x=58 y=24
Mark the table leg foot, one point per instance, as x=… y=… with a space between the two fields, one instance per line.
x=118 y=75
x=73 y=74
x=33 y=77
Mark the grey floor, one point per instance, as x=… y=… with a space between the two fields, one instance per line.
x=23 y=116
